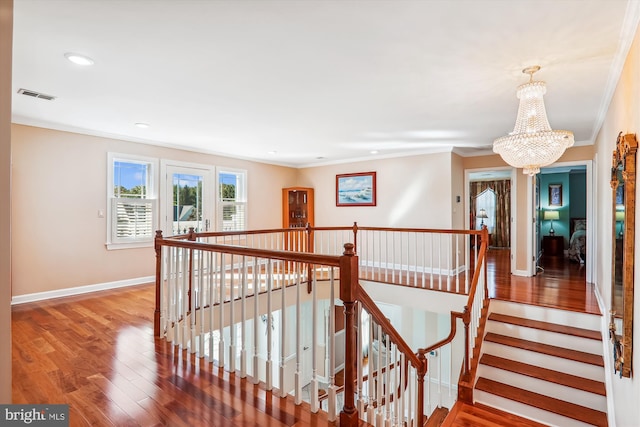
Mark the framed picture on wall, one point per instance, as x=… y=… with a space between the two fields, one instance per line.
x=356 y=189
x=555 y=194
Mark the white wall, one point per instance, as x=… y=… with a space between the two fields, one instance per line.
x=623 y=116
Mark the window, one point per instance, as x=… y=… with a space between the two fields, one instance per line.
x=487 y=201
x=232 y=200
x=132 y=201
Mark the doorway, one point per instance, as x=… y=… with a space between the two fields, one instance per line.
x=562 y=216
x=188 y=191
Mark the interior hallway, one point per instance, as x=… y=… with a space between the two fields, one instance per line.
x=97 y=353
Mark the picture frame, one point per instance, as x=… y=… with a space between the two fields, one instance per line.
x=356 y=189
x=555 y=194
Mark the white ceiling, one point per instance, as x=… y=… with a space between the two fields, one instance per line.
x=316 y=81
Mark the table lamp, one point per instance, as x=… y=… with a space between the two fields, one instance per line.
x=550 y=216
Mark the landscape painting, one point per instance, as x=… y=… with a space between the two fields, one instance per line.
x=356 y=189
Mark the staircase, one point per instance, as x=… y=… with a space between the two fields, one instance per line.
x=535 y=362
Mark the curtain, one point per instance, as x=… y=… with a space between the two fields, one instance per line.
x=502 y=225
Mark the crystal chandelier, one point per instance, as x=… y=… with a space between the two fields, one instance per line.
x=532 y=144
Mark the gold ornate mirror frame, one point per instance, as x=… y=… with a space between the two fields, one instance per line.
x=623 y=184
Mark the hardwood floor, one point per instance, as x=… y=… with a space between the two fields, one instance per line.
x=561 y=284
x=97 y=353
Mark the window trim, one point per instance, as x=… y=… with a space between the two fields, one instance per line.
x=239 y=201
x=152 y=192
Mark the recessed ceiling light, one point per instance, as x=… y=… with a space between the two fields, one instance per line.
x=272 y=152
x=78 y=59
x=142 y=125
x=373 y=151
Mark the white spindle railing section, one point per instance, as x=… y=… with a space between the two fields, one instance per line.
x=275 y=317
x=422 y=258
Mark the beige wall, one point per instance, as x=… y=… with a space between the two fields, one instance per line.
x=458 y=215
x=59 y=184
x=623 y=116
x=411 y=192
x=6 y=37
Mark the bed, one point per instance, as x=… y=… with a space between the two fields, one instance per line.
x=578 y=240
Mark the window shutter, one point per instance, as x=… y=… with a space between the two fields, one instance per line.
x=132 y=219
x=232 y=216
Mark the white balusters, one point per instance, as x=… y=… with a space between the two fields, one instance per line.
x=222 y=287
x=243 y=309
x=298 y=373
x=283 y=335
x=269 y=318
x=232 y=321
x=256 y=319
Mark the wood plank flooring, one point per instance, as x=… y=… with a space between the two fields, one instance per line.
x=97 y=353
x=561 y=285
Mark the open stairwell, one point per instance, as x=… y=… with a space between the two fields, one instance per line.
x=543 y=364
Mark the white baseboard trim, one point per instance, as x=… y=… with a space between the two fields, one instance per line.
x=59 y=293
x=523 y=273
x=607 y=356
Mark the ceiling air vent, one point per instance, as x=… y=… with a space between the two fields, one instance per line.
x=35 y=94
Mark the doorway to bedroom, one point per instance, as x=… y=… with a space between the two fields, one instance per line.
x=490 y=205
x=562 y=218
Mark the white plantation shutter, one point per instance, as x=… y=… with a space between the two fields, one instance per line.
x=232 y=200
x=132 y=219
x=232 y=216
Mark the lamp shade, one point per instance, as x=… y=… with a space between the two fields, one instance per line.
x=551 y=215
x=482 y=213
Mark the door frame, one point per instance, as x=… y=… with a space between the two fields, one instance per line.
x=209 y=200
x=590 y=197
x=467 y=207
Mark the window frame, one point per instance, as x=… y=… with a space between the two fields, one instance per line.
x=114 y=242
x=241 y=196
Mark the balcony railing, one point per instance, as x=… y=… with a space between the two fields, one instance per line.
x=265 y=304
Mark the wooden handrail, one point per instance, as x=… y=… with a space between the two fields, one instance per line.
x=387 y=327
x=465 y=315
x=303 y=257
x=350 y=293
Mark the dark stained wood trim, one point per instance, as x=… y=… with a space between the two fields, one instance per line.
x=568 y=380
x=550 y=350
x=567 y=409
x=545 y=326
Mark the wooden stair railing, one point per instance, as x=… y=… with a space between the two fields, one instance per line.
x=351 y=293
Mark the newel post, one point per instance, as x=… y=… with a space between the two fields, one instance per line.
x=421 y=373
x=485 y=238
x=348 y=295
x=466 y=318
x=309 y=248
x=192 y=238
x=355 y=237
x=156 y=312
x=309 y=245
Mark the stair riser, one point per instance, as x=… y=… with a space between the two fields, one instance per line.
x=546 y=337
x=526 y=411
x=557 y=391
x=560 y=317
x=545 y=361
